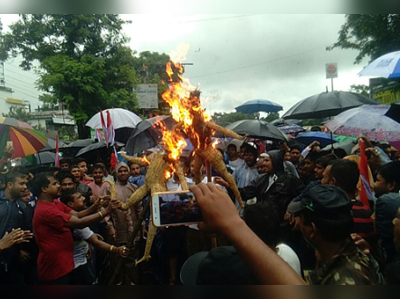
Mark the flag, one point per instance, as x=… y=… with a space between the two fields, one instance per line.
x=114 y=158
x=108 y=130
x=366 y=191
x=99 y=136
x=57 y=156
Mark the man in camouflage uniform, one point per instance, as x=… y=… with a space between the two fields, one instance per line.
x=326 y=222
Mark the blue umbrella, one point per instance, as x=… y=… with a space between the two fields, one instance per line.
x=324 y=139
x=255 y=106
x=386 y=66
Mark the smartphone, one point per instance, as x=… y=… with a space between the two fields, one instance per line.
x=175 y=209
x=9 y=143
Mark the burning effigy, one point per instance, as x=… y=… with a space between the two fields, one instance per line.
x=192 y=122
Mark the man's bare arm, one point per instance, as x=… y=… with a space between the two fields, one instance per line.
x=220 y=215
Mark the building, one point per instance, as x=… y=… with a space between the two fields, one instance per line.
x=8 y=103
x=55 y=120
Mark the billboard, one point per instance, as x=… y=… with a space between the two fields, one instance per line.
x=147 y=96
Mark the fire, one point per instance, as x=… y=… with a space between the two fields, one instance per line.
x=183 y=100
x=174 y=143
x=215 y=143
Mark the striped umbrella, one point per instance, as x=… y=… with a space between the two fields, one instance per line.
x=26 y=140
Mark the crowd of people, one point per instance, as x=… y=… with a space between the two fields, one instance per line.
x=303 y=222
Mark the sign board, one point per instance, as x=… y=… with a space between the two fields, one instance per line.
x=331 y=71
x=147 y=96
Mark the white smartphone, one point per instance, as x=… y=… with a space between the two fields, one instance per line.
x=175 y=209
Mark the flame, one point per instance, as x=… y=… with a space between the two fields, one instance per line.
x=183 y=101
x=173 y=143
x=215 y=143
x=168 y=175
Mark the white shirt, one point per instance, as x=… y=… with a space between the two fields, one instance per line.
x=81 y=246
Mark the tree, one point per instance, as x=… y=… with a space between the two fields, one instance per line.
x=372 y=35
x=361 y=89
x=271 y=117
x=83 y=61
x=151 y=67
x=18 y=113
x=227 y=118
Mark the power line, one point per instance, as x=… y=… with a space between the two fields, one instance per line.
x=258 y=64
x=21 y=82
x=29 y=95
x=9 y=64
x=26 y=87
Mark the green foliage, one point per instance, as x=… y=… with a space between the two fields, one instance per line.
x=372 y=35
x=83 y=61
x=271 y=117
x=361 y=89
x=18 y=113
x=227 y=118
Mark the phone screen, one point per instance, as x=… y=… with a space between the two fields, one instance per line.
x=178 y=208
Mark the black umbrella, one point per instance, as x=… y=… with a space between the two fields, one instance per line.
x=51 y=145
x=95 y=151
x=73 y=148
x=346 y=145
x=327 y=104
x=258 y=129
x=92 y=147
x=147 y=135
x=123 y=134
x=81 y=143
x=40 y=158
x=394 y=111
x=280 y=122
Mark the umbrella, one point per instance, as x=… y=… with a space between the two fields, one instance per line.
x=368 y=120
x=291 y=129
x=258 y=129
x=123 y=134
x=26 y=140
x=94 y=152
x=386 y=66
x=121 y=118
x=147 y=134
x=51 y=145
x=92 y=147
x=81 y=143
x=324 y=139
x=280 y=122
x=394 y=111
x=255 y=106
x=326 y=104
x=346 y=145
x=40 y=158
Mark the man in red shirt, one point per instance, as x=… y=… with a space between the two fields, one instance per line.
x=52 y=223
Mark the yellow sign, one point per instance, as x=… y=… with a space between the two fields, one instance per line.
x=15 y=101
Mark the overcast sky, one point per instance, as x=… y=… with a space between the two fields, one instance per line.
x=236 y=58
